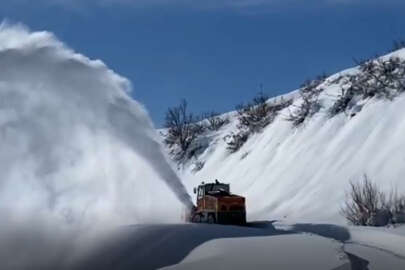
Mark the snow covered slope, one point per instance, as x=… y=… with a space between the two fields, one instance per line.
x=302 y=173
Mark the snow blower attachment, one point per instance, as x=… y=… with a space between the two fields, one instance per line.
x=215 y=204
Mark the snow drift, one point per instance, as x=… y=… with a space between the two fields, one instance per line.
x=76 y=150
x=302 y=173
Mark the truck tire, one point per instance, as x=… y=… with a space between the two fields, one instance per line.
x=196 y=219
x=211 y=219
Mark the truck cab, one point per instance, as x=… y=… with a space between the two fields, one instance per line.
x=216 y=204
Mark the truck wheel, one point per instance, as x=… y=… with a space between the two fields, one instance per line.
x=196 y=219
x=211 y=219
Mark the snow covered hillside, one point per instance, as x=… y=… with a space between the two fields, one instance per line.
x=302 y=173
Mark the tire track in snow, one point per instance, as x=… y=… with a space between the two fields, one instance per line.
x=377 y=258
x=377 y=248
x=358 y=253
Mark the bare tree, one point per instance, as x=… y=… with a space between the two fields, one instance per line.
x=182 y=127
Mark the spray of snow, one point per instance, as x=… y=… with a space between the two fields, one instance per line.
x=74 y=146
x=78 y=154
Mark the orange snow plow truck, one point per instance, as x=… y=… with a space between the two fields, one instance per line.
x=215 y=204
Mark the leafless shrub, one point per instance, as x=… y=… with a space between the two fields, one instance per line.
x=367 y=205
x=343 y=101
x=396 y=202
x=306 y=109
x=279 y=104
x=253 y=117
x=236 y=141
x=398 y=206
x=337 y=80
x=215 y=121
x=381 y=78
x=182 y=129
x=257 y=114
x=309 y=93
x=311 y=87
x=362 y=201
x=377 y=78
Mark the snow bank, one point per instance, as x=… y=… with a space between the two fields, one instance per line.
x=386 y=239
x=271 y=252
x=76 y=150
x=303 y=173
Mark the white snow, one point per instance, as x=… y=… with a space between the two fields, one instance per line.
x=298 y=175
x=302 y=173
x=271 y=252
x=387 y=239
x=79 y=155
x=261 y=245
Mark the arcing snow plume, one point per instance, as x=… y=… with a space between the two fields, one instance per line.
x=75 y=148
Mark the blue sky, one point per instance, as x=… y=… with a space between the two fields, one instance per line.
x=216 y=53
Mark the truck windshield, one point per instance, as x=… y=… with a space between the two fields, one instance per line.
x=213 y=188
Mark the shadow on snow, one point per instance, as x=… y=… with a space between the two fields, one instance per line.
x=156 y=246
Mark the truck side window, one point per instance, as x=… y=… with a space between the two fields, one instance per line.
x=200 y=192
